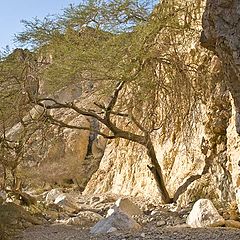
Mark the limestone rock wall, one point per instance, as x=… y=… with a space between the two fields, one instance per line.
x=55 y=154
x=196 y=165
x=221 y=24
x=204 y=163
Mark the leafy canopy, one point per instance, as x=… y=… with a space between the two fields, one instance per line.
x=120 y=40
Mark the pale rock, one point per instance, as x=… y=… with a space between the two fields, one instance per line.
x=127 y=206
x=238 y=198
x=143 y=235
x=67 y=202
x=86 y=218
x=118 y=220
x=112 y=229
x=154 y=212
x=232 y=224
x=52 y=195
x=161 y=223
x=204 y=214
x=89 y=217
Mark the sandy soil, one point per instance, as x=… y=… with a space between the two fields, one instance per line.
x=63 y=232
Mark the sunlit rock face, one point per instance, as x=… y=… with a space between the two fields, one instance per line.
x=221 y=34
x=196 y=165
x=200 y=163
x=57 y=154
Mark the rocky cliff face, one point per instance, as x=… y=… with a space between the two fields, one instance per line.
x=197 y=165
x=56 y=154
x=204 y=163
x=221 y=35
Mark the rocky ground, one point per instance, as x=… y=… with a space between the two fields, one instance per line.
x=62 y=214
x=63 y=232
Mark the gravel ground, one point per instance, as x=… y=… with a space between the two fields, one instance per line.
x=63 y=232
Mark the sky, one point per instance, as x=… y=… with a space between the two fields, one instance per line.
x=13 y=11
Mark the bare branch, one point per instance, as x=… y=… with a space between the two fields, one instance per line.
x=113 y=101
x=65 y=125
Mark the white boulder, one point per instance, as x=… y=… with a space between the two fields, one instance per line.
x=204 y=214
x=117 y=221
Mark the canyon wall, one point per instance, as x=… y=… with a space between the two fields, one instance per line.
x=204 y=163
x=221 y=24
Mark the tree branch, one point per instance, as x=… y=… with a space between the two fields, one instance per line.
x=63 y=124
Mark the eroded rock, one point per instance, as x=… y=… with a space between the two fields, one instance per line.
x=86 y=219
x=14 y=218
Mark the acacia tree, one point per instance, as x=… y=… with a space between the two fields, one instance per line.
x=18 y=83
x=134 y=64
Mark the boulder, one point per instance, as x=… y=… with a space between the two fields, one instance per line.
x=117 y=221
x=204 y=214
x=57 y=198
x=14 y=218
x=126 y=206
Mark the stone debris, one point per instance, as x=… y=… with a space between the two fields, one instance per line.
x=118 y=220
x=59 y=199
x=86 y=219
x=204 y=214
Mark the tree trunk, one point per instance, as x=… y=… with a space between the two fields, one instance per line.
x=157 y=172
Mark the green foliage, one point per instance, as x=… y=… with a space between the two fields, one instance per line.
x=12 y=77
x=110 y=41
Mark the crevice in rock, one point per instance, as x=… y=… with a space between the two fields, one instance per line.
x=94 y=124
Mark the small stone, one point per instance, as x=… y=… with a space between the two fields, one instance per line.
x=161 y=223
x=112 y=229
x=154 y=212
x=151 y=219
x=144 y=221
x=143 y=235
